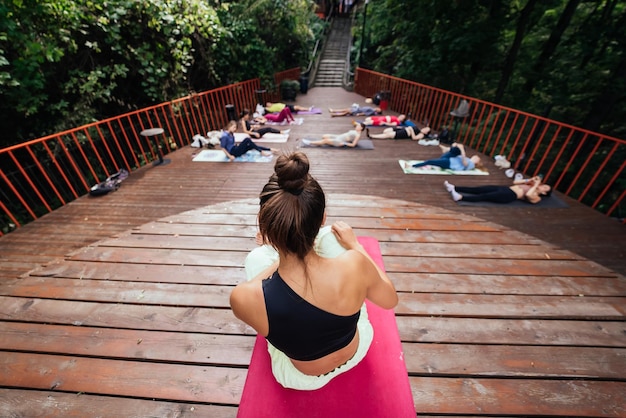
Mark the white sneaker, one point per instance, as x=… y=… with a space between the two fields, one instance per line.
x=433 y=142
x=422 y=142
x=456 y=196
x=449 y=187
x=286 y=131
x=306 y=142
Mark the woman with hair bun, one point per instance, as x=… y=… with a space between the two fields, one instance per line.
x=308 y=301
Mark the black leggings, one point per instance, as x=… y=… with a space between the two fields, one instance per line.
x=495 y=194
x=245 y=146
x=266 y=130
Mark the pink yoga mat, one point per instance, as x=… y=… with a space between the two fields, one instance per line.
x=378 y=387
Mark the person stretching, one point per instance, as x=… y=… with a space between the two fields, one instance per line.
x=254 y=128
x=530 y=190
x=355 y=110
x=385 y=120
x=453 y=158
x=401 y=133
x=232 y=151
x=347 y=139
x=284 y=115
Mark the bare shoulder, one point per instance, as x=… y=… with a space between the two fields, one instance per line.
x=247 y=303
x=353 y=261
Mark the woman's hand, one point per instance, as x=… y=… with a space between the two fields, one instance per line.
x=345 y=235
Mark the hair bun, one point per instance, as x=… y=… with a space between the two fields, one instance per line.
x=292 y=172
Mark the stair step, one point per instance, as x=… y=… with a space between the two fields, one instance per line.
x=331 y=68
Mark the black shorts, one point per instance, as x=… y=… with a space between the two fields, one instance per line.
x=401 y=134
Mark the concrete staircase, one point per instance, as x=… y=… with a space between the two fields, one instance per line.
x=331 y=69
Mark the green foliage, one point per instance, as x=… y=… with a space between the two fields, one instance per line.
x=462 y=46
x=265 y=36
x=64 y=63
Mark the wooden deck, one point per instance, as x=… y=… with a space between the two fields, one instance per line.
x=118 y=306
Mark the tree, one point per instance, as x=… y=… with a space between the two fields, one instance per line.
x=563 y=55
x=64 y=63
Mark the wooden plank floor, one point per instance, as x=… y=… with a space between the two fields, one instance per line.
x=118 y=306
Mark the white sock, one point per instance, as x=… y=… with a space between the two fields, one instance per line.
x=449 y=187
x=456 y=196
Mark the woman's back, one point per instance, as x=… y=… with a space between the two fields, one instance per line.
x=310 y=308
x=309 y=320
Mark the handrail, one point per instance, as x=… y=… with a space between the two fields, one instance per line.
x=41 y=175
x=348 y=76
x=317 y=43
x=314 y=57
x=584 y=165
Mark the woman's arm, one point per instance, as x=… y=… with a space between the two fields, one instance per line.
x=224 y=139
x=531 y=195
x=247 y=131
x=464 y=158
x=380 y=290
x=355 y=141
x=247 y=303
x=228 y=155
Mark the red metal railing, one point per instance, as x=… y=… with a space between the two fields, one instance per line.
x=39 y=176
x=584 y=165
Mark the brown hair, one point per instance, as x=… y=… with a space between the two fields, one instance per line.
x=292 y=206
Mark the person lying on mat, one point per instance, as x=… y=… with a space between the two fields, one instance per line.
x=271 y=107
x=232 y=150
x=310 y=308
x=401 y=133
x=454 y=158
x=347 y=139
x=355 y=110
x=385 y=120
x=284 y=115
x=254 y=128
x=530 y=190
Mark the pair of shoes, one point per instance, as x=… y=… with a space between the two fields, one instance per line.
x=502 y=162
x=449 y=187
x=306 y=142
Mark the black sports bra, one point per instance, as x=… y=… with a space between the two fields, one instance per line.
x=301 y=330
